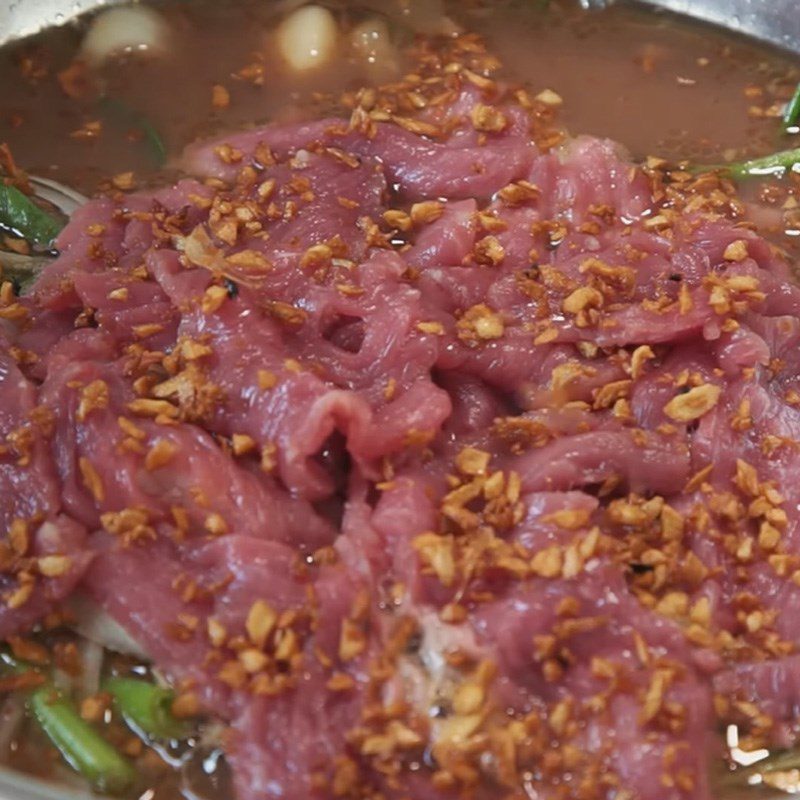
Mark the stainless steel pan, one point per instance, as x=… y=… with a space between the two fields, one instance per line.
x=774 y=21
x=14 y=786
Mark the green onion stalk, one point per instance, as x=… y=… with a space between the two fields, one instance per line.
x=775 y=164
x=792 y=111
x=81 y=746
x=147 y=708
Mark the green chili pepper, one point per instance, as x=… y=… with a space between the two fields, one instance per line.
x=19 y=212
x=792 y=112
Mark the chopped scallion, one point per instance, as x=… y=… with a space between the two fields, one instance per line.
x=147 y=708
x=775 y=164
x=792 y=112
x=81 y=746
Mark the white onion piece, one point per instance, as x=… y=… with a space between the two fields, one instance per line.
x=62 y=680
x=371 y=40
x=125 y=29
x=91 y=667
x=307 y=37
x=95 y=624
x=12 y=713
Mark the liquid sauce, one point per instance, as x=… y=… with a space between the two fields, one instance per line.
x=654 y=82
x=659 y=85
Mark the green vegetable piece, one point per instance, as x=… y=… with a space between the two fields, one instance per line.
x=147 y=708
x=81 y=746
x=130 y=116
x=19 y=212
x=154 y=141
x=775 y=164
x=792 y=112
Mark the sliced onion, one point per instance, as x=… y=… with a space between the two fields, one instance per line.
x=99 y=627
x=12 y=713
x=92 y=667
x=62 y=680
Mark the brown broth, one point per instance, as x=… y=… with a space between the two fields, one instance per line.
x=654 y=82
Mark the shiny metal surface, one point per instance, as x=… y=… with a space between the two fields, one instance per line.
x=24 y=17
x=774 y=21
x=16 y=787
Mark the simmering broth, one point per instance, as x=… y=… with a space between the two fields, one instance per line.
x=654 y=82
